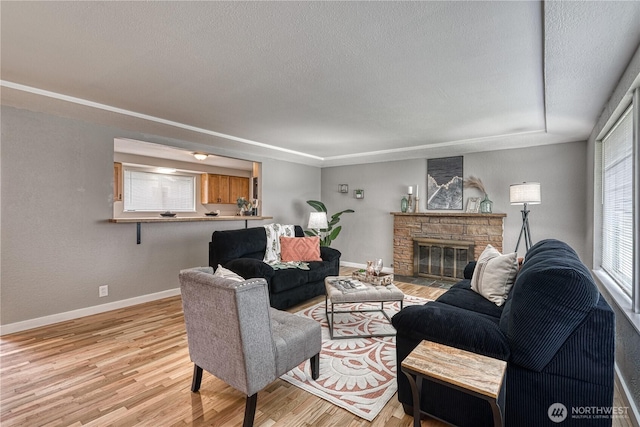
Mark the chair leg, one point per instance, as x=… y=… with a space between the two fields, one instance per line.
x=250 y=410
x=315 y=366
x=197 y=378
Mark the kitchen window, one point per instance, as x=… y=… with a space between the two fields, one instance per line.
x=158 y=192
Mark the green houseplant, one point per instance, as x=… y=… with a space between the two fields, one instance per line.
x=329 y=234
x=244 y=205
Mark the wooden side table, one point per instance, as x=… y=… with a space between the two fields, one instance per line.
x=471 y=373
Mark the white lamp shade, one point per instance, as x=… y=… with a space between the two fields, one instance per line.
x=318 y=220
x=527 y=192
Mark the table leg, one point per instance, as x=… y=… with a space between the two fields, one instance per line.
x=497 y=413
x=416 y=389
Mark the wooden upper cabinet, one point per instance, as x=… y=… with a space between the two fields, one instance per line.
x=117 y=181
x=238 y=187
x=216 y=188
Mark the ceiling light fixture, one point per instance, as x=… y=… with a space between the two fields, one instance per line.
x=200 y=156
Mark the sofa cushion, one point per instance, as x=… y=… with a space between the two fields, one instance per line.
x=494 y=275
x=553 y=294
x=300 y=249
x=467 y=299
x=288 y=278
x=319 y=270
x=251 y=268
x=231 y=244
x=452 y=326
x=469 y=269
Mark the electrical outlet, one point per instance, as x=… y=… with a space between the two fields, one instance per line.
x=103 y=291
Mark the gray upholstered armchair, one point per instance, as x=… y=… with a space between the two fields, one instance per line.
x=235 y=335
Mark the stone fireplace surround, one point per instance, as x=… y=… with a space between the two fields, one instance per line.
x=482 y=229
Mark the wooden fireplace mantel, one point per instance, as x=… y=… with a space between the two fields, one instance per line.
x=482 y=229
x=450 y=214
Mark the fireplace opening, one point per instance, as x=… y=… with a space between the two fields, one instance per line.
x=441 y=259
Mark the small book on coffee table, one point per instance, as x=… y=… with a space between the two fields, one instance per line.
x=346 y=284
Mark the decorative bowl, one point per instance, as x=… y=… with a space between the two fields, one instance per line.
x=211 y=213
x=168 y=214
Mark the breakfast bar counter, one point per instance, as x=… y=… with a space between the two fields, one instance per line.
x=189 y=219
x=139 y=221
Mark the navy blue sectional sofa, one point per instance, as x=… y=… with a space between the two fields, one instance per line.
x=555 y=331
x=242 y=252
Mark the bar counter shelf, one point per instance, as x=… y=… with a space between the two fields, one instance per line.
x=139 y=221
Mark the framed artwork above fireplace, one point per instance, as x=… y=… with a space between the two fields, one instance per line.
x=444 y=183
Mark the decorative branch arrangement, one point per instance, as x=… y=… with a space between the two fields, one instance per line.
x=474 y=182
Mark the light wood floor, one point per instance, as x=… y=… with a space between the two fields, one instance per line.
x=131 y=367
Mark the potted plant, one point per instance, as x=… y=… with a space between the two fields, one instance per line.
x=246 y=207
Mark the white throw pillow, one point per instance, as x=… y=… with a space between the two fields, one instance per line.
x=494 y=275
x=225 y=273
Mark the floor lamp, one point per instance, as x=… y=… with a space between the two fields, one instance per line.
x=527 y=193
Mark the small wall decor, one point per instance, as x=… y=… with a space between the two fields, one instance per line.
x=358 y=194
x=343 y=188
x=444 y=183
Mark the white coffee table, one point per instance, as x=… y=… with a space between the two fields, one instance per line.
x=372 y=294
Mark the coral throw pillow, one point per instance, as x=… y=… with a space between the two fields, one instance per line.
x=300 y=249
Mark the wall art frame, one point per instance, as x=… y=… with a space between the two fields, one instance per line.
x=444 y=183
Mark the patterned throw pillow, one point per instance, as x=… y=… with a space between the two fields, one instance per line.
x=300 y=249
x=225 y=273
x=494 y=275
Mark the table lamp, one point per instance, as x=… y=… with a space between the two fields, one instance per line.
x=318 y=221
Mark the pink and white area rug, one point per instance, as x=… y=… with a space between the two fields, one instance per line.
x=357 y=374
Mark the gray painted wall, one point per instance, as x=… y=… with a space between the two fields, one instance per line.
x=368 y=232
x=57 y=246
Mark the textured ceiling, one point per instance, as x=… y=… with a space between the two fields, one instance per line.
x=326 y=82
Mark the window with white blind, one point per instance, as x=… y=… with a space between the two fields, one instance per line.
x=157 y=192
x=617 y=215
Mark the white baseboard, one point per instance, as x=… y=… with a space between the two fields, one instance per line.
x=356 y=265
x=632 y=412
x=82 y=312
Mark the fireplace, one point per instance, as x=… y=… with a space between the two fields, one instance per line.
x=441 y=259
x=481 y=229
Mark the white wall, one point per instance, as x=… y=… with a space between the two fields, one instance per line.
x=57 y=246
x=368 y=232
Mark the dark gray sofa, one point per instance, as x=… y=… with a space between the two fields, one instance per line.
x=555 y=331
x=242 y=252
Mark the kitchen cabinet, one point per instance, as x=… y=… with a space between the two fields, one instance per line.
x=225 y=189
x=238 y=187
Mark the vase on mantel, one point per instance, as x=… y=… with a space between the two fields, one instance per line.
x=486 y=205
x=404 y=205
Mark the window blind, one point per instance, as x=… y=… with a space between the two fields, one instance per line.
x=148 y=192
x=617 y=216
